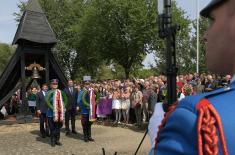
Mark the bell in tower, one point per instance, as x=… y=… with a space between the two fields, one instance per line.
x=34 y=39
x=35 y=68
x=35 y=74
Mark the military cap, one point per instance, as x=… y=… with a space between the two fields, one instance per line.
x=54 y=81
x=206 y=11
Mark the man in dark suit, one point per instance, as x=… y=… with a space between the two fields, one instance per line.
x=42 y=110
x=70 y=113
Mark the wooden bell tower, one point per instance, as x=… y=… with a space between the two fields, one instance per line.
x=34 y=39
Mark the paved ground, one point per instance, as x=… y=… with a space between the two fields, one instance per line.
x=24 y=139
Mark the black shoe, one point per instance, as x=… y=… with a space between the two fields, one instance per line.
x=67 y=133
x=85 y=139
x=53 y=143
x=53 y=140
x=58 y=143
x=74 y=132
x=47 y=134
x=91 y=139
x=43 y=136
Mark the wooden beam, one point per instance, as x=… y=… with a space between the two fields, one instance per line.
x=23 y=91
x=8 y=69
x=47 y=67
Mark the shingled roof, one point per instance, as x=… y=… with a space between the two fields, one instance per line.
x=34 y=26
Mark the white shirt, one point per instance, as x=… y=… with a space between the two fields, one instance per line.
x=44 y=93
x=233 y=79
x=155 y=122
x=71 y=89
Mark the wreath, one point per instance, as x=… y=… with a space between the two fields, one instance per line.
x=84 y=101
x=50 y=94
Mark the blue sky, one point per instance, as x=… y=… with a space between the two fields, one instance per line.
x=8 y=25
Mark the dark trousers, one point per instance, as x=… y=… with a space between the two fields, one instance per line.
x=14 y=110
x=54 y=129
x=43 y=124
x=32 y=110
x=70 y=114
x=86 y=126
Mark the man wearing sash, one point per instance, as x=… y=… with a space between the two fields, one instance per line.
x=87 y=104
x=56 y=102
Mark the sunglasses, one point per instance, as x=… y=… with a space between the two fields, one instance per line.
x=54 y=83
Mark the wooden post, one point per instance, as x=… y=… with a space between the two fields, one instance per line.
x=47 y=67
x=23 y=80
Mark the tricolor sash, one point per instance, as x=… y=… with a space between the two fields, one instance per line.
x=58 y=106
x=92 y=112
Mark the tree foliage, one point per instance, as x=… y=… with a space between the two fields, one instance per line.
x=185 y=56
x=6 y=51
x=186 y=44
x=62 y=16
x=95 y=34
x=119 y=31
x=203 y=25
x=96 y=31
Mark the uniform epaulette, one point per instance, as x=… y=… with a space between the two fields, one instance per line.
x=209 y=125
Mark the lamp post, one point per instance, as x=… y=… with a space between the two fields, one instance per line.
x=168 y=31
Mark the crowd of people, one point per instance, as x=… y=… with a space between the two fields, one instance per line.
x=118 y=99
x=121 y=101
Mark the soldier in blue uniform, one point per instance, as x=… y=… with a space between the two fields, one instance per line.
x=85 y=100
x=56 y=102
x=204 y=124
x=84 y=112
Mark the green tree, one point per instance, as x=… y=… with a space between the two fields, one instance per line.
x=105 y=73
x=85 y=41
x=144 y=73
x=62 y=16
x=203 y=25
x=6 y=51
x=94 y=32
x=121 y=31
x=21 y=5
x=185 y=56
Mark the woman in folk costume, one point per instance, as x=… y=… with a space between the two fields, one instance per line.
x=116 y=105
x=56 y=102
x=125 y=104
x=87 y=104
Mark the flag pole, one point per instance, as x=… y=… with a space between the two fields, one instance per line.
x=197 y=35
